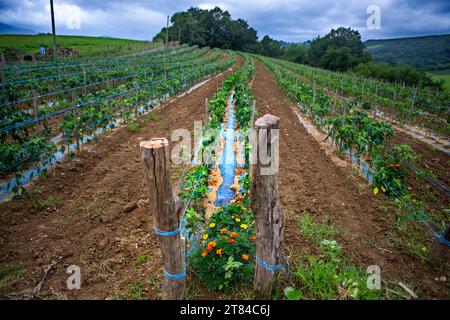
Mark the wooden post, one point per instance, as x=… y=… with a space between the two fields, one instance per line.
x=253 y=111
x=440 y=252
x=85 y=81
x=35 y=104
x=314 y=93
x=155 y=160
x=362 y=90
x=265 y=204
x=136 y=88
x=206 y=109
x=335 y=101
x=2 y=74
x=414 y=97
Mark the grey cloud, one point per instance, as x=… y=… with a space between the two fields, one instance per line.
x=289 y=20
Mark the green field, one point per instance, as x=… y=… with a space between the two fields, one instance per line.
x=86 y=46
x=442 y=75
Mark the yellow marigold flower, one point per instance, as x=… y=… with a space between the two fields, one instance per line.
x=383 y=189
x=244 y=226
x=375 y=191
x=205 y=236
x=212 y=225
x=204 y=253
x=238 y=220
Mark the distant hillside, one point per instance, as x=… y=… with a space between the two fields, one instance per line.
x=426 y=53
x=9 y=29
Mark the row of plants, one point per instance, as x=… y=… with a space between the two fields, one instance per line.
x=76 y=124
x=354 y=131
x=55 y=83
x=86 y=121
x=406 y=105
x=224 y=253
x=49 y=69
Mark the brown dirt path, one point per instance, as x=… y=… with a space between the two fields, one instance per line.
x=92 y=212
x=311 y=182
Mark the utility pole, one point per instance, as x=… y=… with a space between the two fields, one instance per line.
x=53 y=29
x=167 y=32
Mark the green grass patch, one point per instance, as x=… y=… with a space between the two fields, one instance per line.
x=50 y=202
x=328 y=275
x=317 y=231
x=152 y=117
x=442 y=75
x=141 y=259
x=12 y=270
x=134 y=127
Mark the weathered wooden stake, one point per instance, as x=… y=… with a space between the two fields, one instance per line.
x=136 y=88
x=439 y=252
x=155 y=160
x=2 y=61
x=35 y=104
x=314 y=93
x=206 y=109
x=85 y=81
x=414 y=97
x=335 y=101
x=265 y=204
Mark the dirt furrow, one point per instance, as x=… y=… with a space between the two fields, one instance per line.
x=310 y=182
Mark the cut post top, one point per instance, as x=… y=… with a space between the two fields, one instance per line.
x=154 y=143
x=267 y=121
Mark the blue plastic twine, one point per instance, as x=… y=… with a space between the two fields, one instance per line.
x=274 y=268
x=167 y=233
x=177 y=276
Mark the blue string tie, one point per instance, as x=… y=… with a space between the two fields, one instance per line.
x=163 y=233
x=177 y=276
x=274 y=268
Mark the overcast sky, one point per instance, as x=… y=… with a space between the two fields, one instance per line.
x=288 y=20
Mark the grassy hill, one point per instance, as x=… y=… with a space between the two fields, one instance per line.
x=430 y=53
x=86 y=46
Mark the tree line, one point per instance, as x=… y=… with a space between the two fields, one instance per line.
x=340 y=50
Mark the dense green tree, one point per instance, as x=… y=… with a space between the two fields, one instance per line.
x=339 y=50
x=296 y=52
x=271 y=48
x=213 y=28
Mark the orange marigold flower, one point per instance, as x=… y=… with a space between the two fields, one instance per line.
x=391 y=165
x=233 y=234
x=223 y=231
x=232 y=241
x=244 y=257
x=253 y=239
x=219 y=252
x=211 y=244
x=397 y=165
x=208 y=249
x=204 y=253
